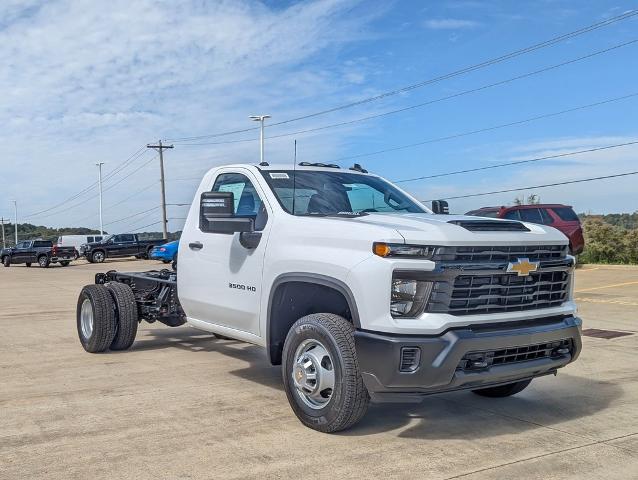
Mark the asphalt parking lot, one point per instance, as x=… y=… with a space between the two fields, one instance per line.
x=182 y=404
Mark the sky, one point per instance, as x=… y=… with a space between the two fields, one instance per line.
x=82 y=84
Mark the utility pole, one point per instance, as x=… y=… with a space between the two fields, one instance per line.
x=260 y=119
x=4 y=243
x=99 y=181
x=15 y=212
x=159 y=147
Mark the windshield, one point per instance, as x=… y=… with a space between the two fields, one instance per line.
x=337 y=193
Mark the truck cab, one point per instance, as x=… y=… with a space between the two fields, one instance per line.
x=361 y=293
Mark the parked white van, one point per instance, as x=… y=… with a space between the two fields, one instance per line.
x=77 y=240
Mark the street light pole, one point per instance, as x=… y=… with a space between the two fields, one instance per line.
x=15 y=213
x=260 y=119
x=99 y=181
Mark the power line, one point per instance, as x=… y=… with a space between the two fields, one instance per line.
x=536 y=186
x=135 y=155
x=468 y=69
x=430 y=102
x=486 y=129
x=131 y=216
x=83 y=202
x=517 y=162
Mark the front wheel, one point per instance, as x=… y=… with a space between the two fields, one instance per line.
x=28 y=264
x=97 y=257
x=321 y=373
x=6 y=261
x=503 y=390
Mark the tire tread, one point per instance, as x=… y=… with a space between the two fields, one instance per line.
x=127 y=317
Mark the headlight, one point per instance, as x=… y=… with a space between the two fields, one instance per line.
x=408 y=297
x=402 y=250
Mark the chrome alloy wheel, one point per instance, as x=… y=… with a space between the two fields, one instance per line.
x=313 y=374
x=86 y=318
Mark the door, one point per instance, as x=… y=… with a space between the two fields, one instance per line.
x=219 y=279
x=20 y=254
x=129 y=244
x=122 y=246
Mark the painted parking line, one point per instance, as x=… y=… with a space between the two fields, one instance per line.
x=601 y=300
x=606 y=286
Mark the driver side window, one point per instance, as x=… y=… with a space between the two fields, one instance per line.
x=247 y=202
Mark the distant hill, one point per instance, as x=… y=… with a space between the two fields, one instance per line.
x=28 y=231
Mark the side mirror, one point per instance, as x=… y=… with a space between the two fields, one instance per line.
x=217 y=214
x=440 y=207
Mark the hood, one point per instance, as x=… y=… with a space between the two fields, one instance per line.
x=426 y=228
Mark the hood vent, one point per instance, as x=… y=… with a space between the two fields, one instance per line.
x=490 y=225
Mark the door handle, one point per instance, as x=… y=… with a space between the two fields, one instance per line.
x=195 y=245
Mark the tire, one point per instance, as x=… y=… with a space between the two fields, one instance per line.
x=166 y=261
x=96 y=302
x=6 y=261
x=28 y=264
x=503 y=390
x=126 y=315
x=44 y=261
x=174 y=264
x=98 y=256
x=65 y=263
x=76 y=255
x=328 y=340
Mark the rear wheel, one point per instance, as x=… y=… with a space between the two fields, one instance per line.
x=503 y=390
x=95 y=318
x=65 y=263
x=6 y=261
x=28 y=264
x=43 y=261
x=321 y=373
x=166 y=261
x=126 y=318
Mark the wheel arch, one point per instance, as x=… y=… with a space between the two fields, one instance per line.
x=334 y=297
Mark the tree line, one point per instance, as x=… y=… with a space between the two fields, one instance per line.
x=610 y=238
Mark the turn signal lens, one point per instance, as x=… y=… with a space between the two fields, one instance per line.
x=381 y=249
x=425 y=252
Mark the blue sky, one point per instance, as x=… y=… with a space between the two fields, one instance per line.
x=84 y=84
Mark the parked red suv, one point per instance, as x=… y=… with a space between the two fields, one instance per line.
x=561 y=217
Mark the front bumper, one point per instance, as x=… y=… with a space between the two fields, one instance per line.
x=439 y=366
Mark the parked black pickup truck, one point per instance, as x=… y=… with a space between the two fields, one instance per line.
x=41 y=251
x=116 y=246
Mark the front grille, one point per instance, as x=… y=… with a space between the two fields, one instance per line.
x=500 y=253
x=499 y=292
x=473 y=361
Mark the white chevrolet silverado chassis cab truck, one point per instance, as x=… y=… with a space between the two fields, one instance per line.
x=359 y=291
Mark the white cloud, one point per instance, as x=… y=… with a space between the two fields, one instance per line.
x=82 y=83
x=449 y=24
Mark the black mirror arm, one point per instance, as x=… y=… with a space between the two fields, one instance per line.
x=249 y=240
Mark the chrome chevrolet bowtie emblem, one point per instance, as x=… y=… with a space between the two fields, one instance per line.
x=523 y=267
